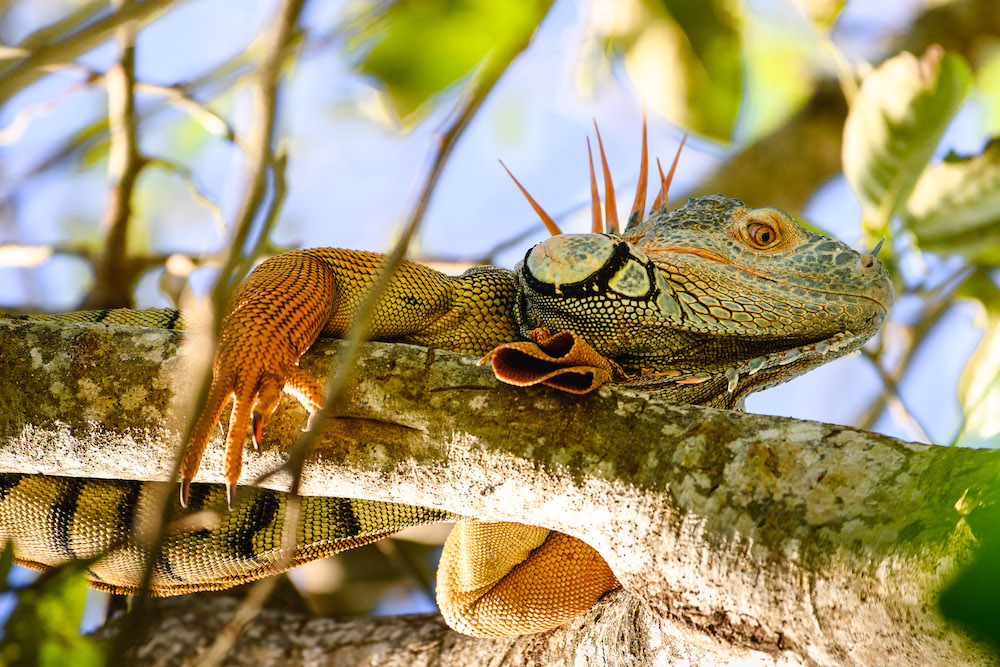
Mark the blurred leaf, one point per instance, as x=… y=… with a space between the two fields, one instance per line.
x=972 y=599
x=423 y=46
x=44 y=628
x=979 y=386
x=94 y=152
x=988 y=89
x=824 y=13
x=893 y=126
x=684 y=58
x=6 y=560
x=778 y=80
x=956 y=206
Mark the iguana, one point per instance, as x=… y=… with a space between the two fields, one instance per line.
x=705 y=304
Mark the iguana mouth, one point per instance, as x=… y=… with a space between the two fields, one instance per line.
x=728 y=381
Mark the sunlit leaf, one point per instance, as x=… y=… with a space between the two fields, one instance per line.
x=956 y=206
x=776 y=81
x=420 y=47
x=893 y=126
x=979 y=386
x=987 y=90
x=44 y=626
x=684 y=58
x=824 y=13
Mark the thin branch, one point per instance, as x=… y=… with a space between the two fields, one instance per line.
x=61 y=28
x=37 y=65
x=938 y=303
x=112 y=275
x=337 y=379
x=187 y=178
x=179 y=97
x=895 y=401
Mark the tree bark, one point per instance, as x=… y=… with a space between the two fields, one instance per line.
x=810 y=542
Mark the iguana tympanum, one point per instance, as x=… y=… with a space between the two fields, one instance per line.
x=705 y=304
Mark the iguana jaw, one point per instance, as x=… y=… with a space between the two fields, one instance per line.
x=726 y=382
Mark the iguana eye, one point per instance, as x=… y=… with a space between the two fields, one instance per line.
x=763 y=236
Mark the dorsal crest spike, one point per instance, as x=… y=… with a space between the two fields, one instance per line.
x=610 y=206
x=673 y=168
x=659 y=195
x=639 y=204
x=597 y=224
x=550 y=224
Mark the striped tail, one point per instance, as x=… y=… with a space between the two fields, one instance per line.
x=52 y=520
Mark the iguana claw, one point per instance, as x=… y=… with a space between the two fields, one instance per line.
x=255 y=427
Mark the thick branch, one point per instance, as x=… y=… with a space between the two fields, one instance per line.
x=617 y=632
x=824 y=541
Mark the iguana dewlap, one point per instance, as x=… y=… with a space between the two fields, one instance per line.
x=705 y=304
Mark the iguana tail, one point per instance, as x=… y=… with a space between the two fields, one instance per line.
x=52 y=520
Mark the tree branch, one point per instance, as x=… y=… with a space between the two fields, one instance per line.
x=36 y=65
x=114 y=275
x=825 y=541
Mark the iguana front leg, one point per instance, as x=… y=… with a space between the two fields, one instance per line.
x=290 y=299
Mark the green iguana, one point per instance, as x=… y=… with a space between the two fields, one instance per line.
x=705 y=304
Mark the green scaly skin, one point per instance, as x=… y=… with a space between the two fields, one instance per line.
x=698 y=303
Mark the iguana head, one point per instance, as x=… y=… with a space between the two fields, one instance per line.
x=708 y=302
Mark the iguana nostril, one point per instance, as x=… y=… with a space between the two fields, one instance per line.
x=866 y=261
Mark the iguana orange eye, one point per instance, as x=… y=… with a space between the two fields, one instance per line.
x=762 y=235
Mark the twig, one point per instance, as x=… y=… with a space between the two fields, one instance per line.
x=36 y=65
x=187 y=178
x=112 y=275
x=181 y=98
x=279 y=189
x=895 y=401
x=64 y=26
x=932 y=314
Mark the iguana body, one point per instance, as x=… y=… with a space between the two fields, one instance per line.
x=705 y=304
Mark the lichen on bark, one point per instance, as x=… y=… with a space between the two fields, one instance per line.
x=797 y=538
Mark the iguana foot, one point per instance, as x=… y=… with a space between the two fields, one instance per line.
x=503 y=579
x=276 y=314
x=254 y=401
x=564 y=361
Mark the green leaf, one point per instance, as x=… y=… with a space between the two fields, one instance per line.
x=421 y=47
x=824 y=13
x=893 y=125
x=979 y=386
x=987 y=89
x=6 y=560
x=955 y=207
x=44 y=628
x=972 y=598
x=683 y=57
